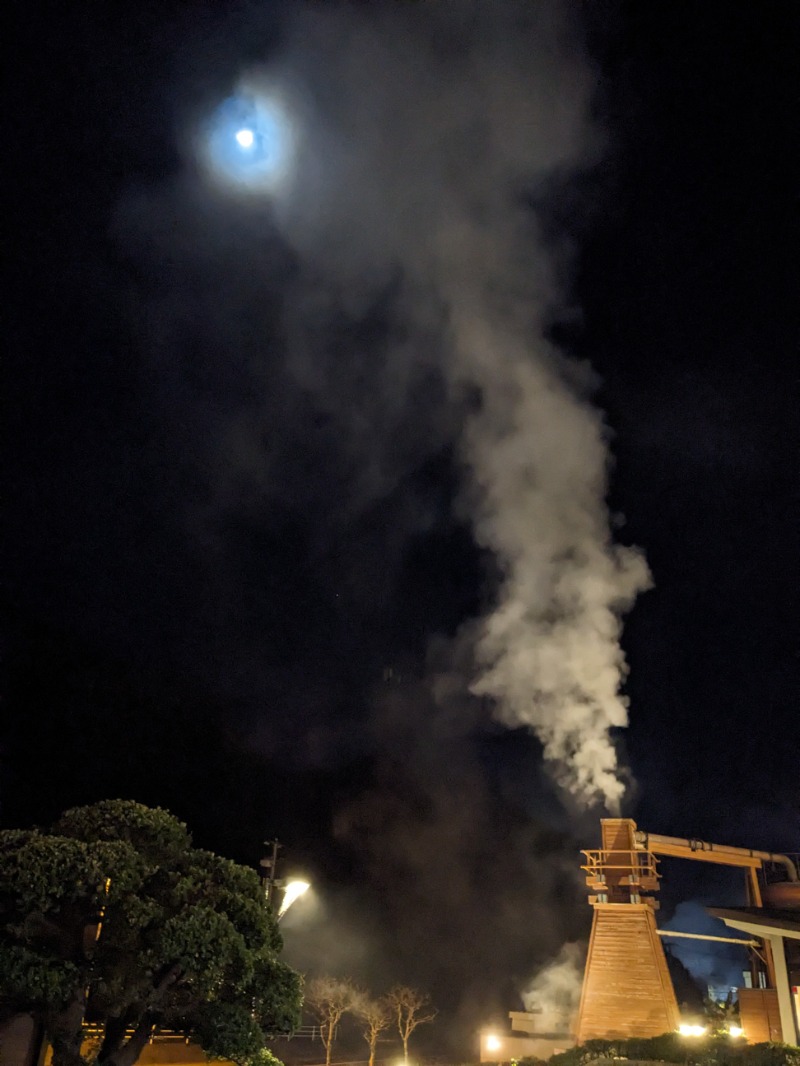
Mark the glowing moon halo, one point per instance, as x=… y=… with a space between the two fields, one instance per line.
x=248 y=142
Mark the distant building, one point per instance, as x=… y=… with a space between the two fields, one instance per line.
x=771 y=1013
x=537 y=1033
x=627 y=989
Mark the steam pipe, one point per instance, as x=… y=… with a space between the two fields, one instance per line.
x=651 y=841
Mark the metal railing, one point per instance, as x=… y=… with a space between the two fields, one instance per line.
x=634 y=863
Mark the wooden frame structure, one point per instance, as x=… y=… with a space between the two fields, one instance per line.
x=627 y=990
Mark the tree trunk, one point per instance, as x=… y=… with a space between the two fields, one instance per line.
x=66 y=1051
x=405 y=1050
x=372 y=1042
x=329 y=1044
x=113 y=1037
x=129 y=1053
x=65 y=1031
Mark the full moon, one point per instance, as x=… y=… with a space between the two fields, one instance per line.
x=247 y=143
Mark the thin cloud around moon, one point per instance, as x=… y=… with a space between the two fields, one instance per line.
x=248 y=143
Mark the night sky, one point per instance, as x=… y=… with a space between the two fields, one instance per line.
x=250 y=533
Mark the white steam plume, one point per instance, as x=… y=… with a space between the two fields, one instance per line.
x=555 y=992
x=423 y=129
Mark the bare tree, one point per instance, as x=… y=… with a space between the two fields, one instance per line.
x=330 y=998
x=410 y=1008
x=375 y=1016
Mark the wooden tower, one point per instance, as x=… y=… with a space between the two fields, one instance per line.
x=627 y=989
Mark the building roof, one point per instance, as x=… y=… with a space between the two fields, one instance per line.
x=766 y=918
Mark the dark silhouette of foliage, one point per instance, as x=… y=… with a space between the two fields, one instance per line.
x=113 y=917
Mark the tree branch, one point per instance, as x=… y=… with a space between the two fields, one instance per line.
x=129 y=1052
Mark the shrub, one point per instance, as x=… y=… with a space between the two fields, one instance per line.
x=716 y=1050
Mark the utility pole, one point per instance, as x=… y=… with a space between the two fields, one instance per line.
x=269 y=865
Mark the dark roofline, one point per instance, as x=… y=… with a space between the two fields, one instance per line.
x=768 y=917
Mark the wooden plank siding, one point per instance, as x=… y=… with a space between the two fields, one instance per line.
x=760 y=1014
x=627 y=990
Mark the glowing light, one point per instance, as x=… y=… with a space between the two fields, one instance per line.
x=293 y=891
x=248 y=143
x=735 y=1030
x=493 y=1043
x=691 y=1030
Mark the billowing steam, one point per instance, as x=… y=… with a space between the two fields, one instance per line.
x=343 y=357
x=555 y=992
x=549 y=653
x=426 y=132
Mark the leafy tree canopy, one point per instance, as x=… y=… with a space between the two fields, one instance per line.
x=112 y=917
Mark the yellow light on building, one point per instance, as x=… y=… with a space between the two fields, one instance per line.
x=691 y=1030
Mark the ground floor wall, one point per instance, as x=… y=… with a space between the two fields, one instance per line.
x=21 y=1044
x=760 y=1015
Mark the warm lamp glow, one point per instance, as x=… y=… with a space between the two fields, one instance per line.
x=493 y=1043
x=691 y=1030
x=293 y=891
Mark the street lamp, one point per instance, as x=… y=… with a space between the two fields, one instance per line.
x=292 y=890
x=268 y=867
x=292 y=887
